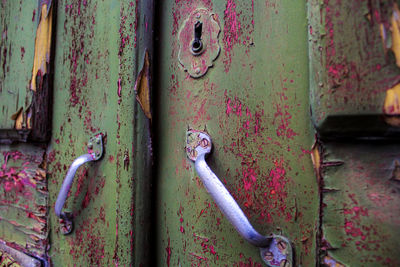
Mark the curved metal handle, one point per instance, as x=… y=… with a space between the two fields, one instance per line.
x=95 y=149
x=275 y=250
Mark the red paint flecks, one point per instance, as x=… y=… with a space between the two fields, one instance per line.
x=169 y=252
x=22 y=52
x=119 y=87
x=232 y=29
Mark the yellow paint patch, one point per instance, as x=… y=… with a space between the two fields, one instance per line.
x=316 y=159
x=42 y=45
x=391 y=106
x=395 y=21
x=142 y=87
x=18 y=117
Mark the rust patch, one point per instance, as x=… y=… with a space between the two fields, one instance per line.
x=331 y=262
x=391 y=106
x=42 y=44
x=142 y=87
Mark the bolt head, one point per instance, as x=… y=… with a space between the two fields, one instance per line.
x=204 y=143
x=268 y=256
x=281 y=245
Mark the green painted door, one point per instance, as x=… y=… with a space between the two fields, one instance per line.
x=97 y=49
x=302 y=106
x=254 y=103
x=300 y=99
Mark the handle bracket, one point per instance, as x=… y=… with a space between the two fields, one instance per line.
x=275 y=250
x=95 y=152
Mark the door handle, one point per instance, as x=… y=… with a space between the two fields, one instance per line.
x=95 y=151
x=275 y=250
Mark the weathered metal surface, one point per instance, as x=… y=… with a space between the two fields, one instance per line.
x=25 y=73
x=100 y=45
x=254 y=103
x=24 y=199
x=360 y=204
x=352 y=66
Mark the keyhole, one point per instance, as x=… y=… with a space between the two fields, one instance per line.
x=197 y=45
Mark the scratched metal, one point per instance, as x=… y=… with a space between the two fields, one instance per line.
x=254 y=103
x=351 y=66
x=100 y=45
x=24 y=199
x=361 y=204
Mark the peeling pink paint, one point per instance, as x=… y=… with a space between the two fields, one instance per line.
x=169 y=252
x=232 y=31
x=119 y=87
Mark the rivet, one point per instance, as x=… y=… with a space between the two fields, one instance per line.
x=197 y=70
x=281 y=245
x=268 y=256
x=204 y=143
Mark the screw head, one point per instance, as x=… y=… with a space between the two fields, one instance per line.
x=281 y=245
x=268 y=256
x=204 y=143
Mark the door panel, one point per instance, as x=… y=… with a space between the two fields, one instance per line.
x=254 y=104
x=96 y=61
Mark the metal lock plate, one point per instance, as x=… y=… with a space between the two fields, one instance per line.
x=198 y=42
